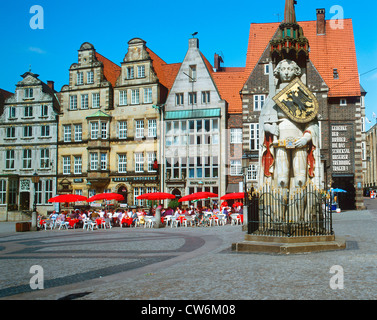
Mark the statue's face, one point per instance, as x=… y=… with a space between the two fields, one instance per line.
x=287 y=72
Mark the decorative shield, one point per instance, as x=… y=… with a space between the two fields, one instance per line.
x=297 y=102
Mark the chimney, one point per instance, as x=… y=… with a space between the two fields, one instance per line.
x=194 y=43
x=321 y=22
x=218 y=60
x=51 y=84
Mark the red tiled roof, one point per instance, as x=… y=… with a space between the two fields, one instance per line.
x=166 y=73
x=5 y=94
x=229 y=84
x=111 y=71
x=336 y=49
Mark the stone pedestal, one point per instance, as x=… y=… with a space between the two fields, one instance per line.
x=289 y=245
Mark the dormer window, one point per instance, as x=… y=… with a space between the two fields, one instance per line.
x=130 y=73
x=80 y=78
x=90 y=77
x=141 y=71
x=193 y=73
x=336 y=74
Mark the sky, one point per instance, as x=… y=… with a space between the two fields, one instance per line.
x=222 y=26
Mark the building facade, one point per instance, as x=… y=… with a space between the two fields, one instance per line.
x=370 y=178
x=194 y=118
x=28 y=146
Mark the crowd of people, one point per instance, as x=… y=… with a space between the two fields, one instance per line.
x=133 y=217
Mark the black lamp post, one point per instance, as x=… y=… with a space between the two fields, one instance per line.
x=35 y=179
x=245 y=167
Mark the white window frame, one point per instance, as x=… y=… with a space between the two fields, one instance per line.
x=67 y=133
x=96 y=101
x=80 y=78
x=29 y=93
x=235 y=135
x=26 y=158
x=152 y=128
x=135 y=96
x=93 y=160
x=84 y=101
x=235 y=168
x=148 y=95
x=123 y=97
x=151 y=158
x=94 y=128
x=89 y=77
x=45 y=131
x=258 y=101
x=130 y=73
x=343 y=102
x=139 y=128
x=141 y=71
x=78 y=132
x=139 y=162
x=28 y=111
x=254 y=136
x=104 y=130
x=122 y=129
x=77 y=164
x=103 y=161
x=206 y=96
x=179 y=99
x=66 y=165
x=252 y=172
x=73 y=102
x=122 y=163
x=3 y=191
x=28 y=132
x=45 y=158
x=9 y=159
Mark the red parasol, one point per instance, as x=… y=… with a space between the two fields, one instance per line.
x=237 y=204
x=198 y=196
x=67 y=198
x=236 y=195
x=156 y=196
x=106 y=196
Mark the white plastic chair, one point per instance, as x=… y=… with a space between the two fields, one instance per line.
x=173 y=222
x=213 y=220
x=168 y=220
x=149 y=221
x=107 y=223
x=86 y=223
x=63 y=224
x=222 y=219
x=190 y=220
x=235 y=220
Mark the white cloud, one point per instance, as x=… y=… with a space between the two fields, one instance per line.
x=37 y=50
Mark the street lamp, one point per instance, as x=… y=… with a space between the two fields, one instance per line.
x=35 y=179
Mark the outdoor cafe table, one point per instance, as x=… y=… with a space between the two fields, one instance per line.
x=127 y=221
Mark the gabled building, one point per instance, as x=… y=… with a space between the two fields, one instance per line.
x=85 y=120
x=139 y=94
x=331 y=73
x=194 y=154
x=28 y=146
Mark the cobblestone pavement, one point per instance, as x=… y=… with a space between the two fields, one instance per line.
x=185 y=263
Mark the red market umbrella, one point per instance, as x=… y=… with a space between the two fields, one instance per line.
x=156 y=196
x=106 y=196
x=198 y=196
x=236 y=195
x=237 y=204
x=67 y=198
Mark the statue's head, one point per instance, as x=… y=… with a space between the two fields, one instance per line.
x=287 y=70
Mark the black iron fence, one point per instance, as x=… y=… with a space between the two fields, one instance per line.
x=279 y=212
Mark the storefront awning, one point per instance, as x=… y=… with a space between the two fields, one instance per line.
x=192 y=114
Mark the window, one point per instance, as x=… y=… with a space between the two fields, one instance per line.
x=141 y=71
x=122 y=163
x=266 y=69
x=66 y=165
x=94 y=130
x=9 y=159
x=3 y=191
x=12 y=112
x=73 y=102
x=77 y=165
x=343 y=102
x=38 y=192
x=95 y=100
x=192 y=73
x=48 y=189
x=135 y=96
x=152 y=128
x=103 y=161
x=235 y=167
x=29 y=93
x=252 y=172
x=103 y=130
x=254 y=136
x=80 y=78
x=192 y=97
x=122 y=133
x=258 y=102
x=45 y=131
x=123 y=97
x=78 y=132
x=45 y=158
x=11 y=132
x=147 y=95
x=179 y=99
x=44 y=110
x=84 y=101
x=206 y=97
x=139 y=162
x=90 y=77
x=67 y=133
x=139 y=129
x=138 y=192
x=151 y=158
x=93 y=161
x=235 y=135
x=28 y=111
x=28 y=131
x=130 y=73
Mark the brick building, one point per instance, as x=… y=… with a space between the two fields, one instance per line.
x=331 y=73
